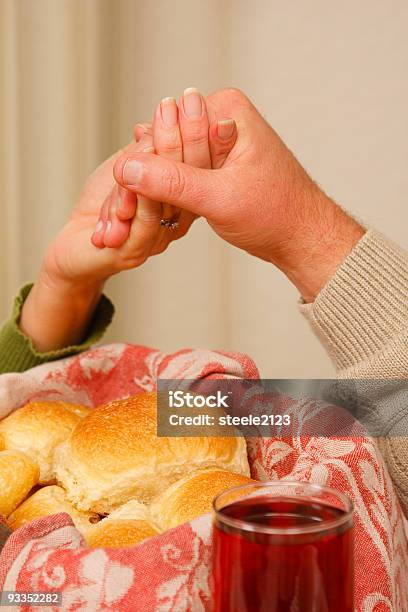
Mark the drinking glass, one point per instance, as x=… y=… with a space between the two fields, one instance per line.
x=283 y=547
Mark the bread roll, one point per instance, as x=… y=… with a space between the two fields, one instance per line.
x=126 y=526
x=46 y=501
x=114 y=455
x=131 y=510
x=18 y=475
x=37 y=428
x=192 y=496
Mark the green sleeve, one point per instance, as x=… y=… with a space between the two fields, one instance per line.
x=17 y=352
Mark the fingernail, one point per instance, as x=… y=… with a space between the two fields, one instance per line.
x=108 y=227
x=148 y=150
x=132 y=172
x=169 y=112
x=119 y=198
x=98 y=227
x=193 y=106
x=225 y=128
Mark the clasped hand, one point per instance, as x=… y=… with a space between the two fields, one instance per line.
x=217 y=158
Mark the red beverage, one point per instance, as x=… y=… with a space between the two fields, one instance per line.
x=283 y=553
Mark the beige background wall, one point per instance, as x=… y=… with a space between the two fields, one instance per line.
x=77 y=74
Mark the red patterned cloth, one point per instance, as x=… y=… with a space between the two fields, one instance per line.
x=171 y=572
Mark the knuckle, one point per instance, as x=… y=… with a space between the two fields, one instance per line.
x=196 y=137
x=221 y=149
x=149 y=218
x=233 y=92
x=236 y=95
x=173 y=182
x=169 y=144
x=170 y=148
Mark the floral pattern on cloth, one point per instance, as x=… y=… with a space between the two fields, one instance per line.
x=171 y=572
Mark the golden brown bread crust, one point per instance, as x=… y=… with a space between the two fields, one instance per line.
x=37 y=428
x=18 y=475
x=127 y=525
x=114 y=455
x=192 y=496
x=109 y=460
x=119 y=532
x=46 y=501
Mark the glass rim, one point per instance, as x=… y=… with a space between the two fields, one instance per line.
x=244 y=525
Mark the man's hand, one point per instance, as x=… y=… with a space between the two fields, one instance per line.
x=261 y=200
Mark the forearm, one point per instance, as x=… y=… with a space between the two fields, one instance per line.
x=322 y=238
x=56 y=315
x=17 y=351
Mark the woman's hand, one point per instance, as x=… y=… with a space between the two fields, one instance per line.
x=63 y=299
x=261 y=200
x=60 y=305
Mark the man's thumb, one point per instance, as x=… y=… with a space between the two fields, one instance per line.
x=165 y=180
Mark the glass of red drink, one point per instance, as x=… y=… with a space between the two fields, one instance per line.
x=283 y=547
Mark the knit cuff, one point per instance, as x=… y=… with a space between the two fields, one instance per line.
x=17 y=352
x=363 y=309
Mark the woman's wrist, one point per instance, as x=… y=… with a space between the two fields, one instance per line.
x=56 y=314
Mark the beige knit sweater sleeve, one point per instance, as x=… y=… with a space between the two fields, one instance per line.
x=361 y=318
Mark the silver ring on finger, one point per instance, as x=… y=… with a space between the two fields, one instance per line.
x=170 y=224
